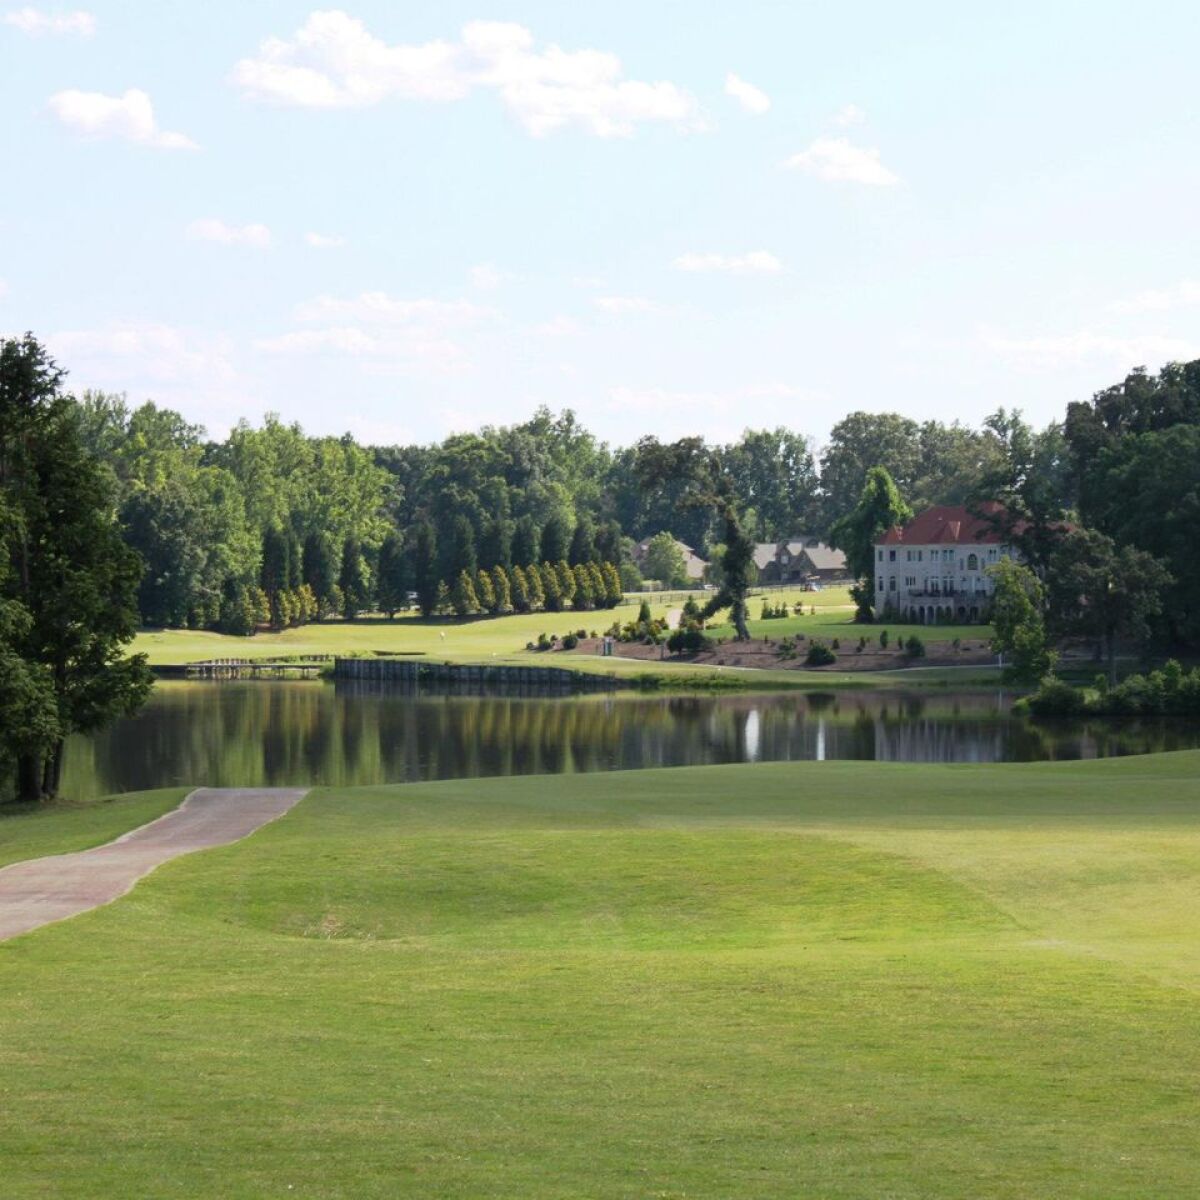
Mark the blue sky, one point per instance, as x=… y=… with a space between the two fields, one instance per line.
x=407 y=219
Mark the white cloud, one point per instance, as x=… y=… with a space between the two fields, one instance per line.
x=210 y=229
x=34 y=21
x=402 y=347
x=558 y=326
x=129 y=116
x=752 y=99
x=379 y=308
x=838 y=160
x=1085 y=347
x=485 y=277
x=324 y=241
x=756 y=262
x=397 y=333
x=332 y=61
x=1184 y=294
x=625 y=304
x=849 y=115
x=140 y=351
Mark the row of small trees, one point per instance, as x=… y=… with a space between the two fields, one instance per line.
x=552 y=587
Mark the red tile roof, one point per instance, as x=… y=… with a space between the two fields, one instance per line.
x=946 y=524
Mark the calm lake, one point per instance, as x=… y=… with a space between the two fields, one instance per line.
x=272 y=733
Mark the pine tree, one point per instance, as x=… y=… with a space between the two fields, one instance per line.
x=352 y=579
x=485 y=592
x=520 y=590
x=583 y=543
x=613 y=593
x=424 y=568
x=460 y=550
x=596 y=579
x=526 y=541
x=441 y=603
x=463 y=598
x=318 y=568
x=566 y=582
x=537 y=589
x=556 y=538
x=584 y=597
x=501 y=590
x=495 y=547
x=551 y=588
x=392 y=576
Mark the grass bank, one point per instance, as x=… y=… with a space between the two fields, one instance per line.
x=826 y=979
x=503 y=641
x=33 y=830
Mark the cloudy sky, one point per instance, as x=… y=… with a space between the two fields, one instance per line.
x=404 y=219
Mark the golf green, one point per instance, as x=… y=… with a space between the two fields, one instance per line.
x=812 y=979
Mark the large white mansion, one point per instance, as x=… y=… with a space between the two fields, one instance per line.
x=935 y=567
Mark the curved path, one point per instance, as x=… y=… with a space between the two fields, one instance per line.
x=43 y=890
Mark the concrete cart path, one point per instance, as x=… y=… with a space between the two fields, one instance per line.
x=42 y=890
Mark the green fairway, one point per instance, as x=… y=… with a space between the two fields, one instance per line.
x=818 y=979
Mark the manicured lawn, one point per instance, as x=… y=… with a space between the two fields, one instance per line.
x=476 y=639
x=30 y=831
x=818 y=979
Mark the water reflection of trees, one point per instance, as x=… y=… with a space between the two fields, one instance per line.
x=260 y=733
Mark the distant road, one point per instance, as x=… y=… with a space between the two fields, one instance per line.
x=43 y=890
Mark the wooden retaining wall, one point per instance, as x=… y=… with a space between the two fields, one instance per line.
x=407 y=672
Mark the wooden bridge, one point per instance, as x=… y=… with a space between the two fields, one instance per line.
x=308 y=667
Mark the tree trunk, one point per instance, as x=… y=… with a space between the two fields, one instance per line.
x=738 y=613
x=52 y=771
x=29 y=778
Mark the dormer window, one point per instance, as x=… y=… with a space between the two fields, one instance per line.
x=972 y=562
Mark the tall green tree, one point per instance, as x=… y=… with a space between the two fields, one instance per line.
x=70 y=587
x=1107 y=592
x=425 y=567
x=556 y=538
x=879 y=507
x=1018 y=621
x=526 y=541
x=319 y=567
x=393 y=578
x=583 y=542
x=352 y=579
x=495 y=546
x=664 y=561
x=858 y=443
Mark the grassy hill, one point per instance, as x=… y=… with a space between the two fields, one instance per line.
x=816 y=979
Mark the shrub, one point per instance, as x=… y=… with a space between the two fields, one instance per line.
x=689 y=640
x=883 y=640
x=1056 y=699
x=819 y=655
x=914 y=647
x=837 y=645
x=570 y=641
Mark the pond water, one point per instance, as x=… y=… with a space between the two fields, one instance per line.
x=297 y=733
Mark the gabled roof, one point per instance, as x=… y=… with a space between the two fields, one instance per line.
x=825 y=558
x=947 y=524
x=764 y=554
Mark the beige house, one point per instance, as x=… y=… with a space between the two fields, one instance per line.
x=935 y=567
x=799 y=560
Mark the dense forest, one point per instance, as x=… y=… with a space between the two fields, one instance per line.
x=274 y=526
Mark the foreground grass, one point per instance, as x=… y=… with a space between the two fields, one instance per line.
x=30 y=831
x=835 y=980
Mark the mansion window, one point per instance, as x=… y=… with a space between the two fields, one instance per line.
x=972 y=562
